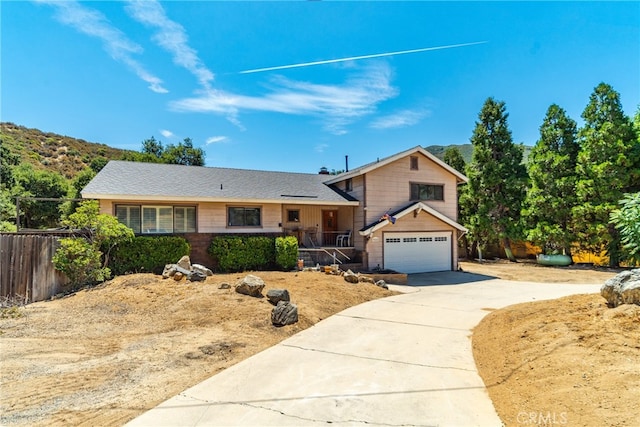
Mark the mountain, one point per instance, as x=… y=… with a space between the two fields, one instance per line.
x=53 y=152
x=467 y=151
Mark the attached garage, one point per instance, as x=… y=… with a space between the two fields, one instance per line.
x=418 y=252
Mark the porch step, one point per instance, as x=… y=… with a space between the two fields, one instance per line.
x=308 y=259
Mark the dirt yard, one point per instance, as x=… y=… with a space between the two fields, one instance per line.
x=571 y=361
x=105 y=355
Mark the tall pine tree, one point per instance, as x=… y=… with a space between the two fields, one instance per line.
x=551 y=196
x=497 y=180
x=608 y=166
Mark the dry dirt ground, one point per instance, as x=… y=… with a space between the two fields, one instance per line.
x=104 y=355
x=572 y=361
x=107 y=354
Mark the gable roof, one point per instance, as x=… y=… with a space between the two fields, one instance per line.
x=163 y=182
x=382 y=222
x=382 y=162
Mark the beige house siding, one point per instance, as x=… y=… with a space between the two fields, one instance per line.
x=388 y=187
x=409 y=223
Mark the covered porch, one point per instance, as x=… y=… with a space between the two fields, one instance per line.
x=318 y=227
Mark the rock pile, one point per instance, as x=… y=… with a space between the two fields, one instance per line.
x=352 y=277
x=624 y=288
x=184 y=269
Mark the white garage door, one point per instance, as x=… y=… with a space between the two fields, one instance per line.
x=417 y=252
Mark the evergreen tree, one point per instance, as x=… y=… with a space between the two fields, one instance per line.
x=608 y=166
x=497 y=180
x=453 y=158
x=552 y=170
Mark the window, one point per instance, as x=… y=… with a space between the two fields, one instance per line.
x=293 y=215
x=157 y=219
x=348 y=185
x=409 y=240
x=184 y=219
x=413 y=163
x=243 y=217
x=426 y=191
x=129 y=216
x=392 y=240
x=441 y=239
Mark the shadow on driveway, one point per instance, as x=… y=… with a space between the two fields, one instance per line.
x=445 y=278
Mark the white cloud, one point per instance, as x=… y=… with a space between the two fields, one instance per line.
x=172 y=37
x=321 y=147
x=93 y=23
x=338 y=105
x=166 y=133
x=399 y=119
x=215 y=139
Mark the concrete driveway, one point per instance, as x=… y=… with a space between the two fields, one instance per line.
x=405 y=360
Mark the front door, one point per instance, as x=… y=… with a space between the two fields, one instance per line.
x=329 y=227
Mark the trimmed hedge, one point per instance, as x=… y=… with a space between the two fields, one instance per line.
x=243 y=253
x=147 y=254
x=286 y=252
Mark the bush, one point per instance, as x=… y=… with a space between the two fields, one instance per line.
x=80 y=261
x=242 y=253
x=148 y=254
x=286 y=252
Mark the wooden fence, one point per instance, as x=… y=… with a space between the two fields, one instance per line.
x=26 y=270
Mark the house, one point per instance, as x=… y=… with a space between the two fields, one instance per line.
x=396 y=213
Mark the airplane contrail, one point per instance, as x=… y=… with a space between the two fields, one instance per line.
x=355 y=58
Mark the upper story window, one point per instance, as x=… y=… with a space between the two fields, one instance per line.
x=293 y=215
x=148 y=219
x=244 y=217
x=413 y=163
x=426 y=191
x=348 y=185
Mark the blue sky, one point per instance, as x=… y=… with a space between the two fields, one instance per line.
x=120 y=72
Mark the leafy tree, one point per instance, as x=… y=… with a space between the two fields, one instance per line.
x=152 y=147
x=453 y=158
x=7 y=162
x=39 y=183
x=551 y=197
x=154 y=152
x=608 y=166
x=627 y=222
x=7 y=207
x=80 y=258
x=497 y=180
x=98 y=163
x=183 y=154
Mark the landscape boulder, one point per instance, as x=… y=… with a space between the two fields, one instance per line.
x=184 y=268
x=197 y=276
x=351 y=277
x=185 y=263
x=623 y=288
x=367 y=279
x=202 y=269
x=382 y=284
x=276 y=295
x=250 y=285
x=285 y=313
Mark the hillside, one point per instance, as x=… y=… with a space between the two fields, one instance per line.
x=53 y=152
x=467 y=150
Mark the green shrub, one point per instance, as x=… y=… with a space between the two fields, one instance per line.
x=286 y=252
x=80 y=261
x=148 y=254
x=242 y=253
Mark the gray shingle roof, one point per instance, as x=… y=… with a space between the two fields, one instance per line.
x=152 y=181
